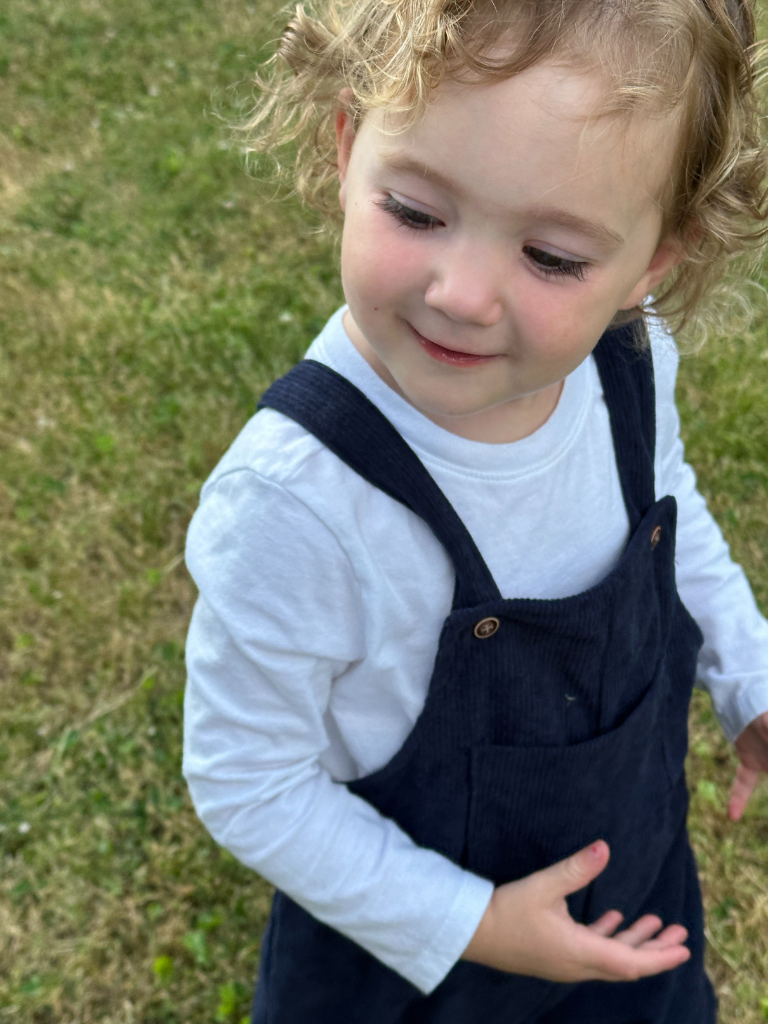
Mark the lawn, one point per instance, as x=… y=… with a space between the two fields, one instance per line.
x=149 y=291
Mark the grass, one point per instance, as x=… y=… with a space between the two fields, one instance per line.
x=148 y=292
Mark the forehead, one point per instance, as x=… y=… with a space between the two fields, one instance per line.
x=539 y=137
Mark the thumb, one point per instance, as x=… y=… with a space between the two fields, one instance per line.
x=575 y=872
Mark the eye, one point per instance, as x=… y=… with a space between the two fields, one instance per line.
x=406 y=216
x=555 y=266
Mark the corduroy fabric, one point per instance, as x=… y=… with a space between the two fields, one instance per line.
x=567 y=724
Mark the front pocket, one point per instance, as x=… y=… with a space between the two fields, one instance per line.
x=533 y=806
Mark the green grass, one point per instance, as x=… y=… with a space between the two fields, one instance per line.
x=148 y=292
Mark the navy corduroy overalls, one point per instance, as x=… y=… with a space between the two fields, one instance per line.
x=547 y=724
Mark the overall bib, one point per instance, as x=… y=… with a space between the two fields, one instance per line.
x=547 y=724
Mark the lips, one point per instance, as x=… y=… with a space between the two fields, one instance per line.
x=449 y=355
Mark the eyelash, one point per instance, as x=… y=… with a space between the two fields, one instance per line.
x=418 y=221
x=409 y=218
x=562 y=268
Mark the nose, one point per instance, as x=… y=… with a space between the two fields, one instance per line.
x=466 y=285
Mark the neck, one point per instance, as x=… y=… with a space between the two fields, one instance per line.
x=507 y=422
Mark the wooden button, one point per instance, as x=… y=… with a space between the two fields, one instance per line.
x=655 y=536
x=486 y=627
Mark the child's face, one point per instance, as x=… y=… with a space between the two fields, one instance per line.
x=487 y=248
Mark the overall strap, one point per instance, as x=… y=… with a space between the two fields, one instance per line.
x=340 y=416
x=626 y=373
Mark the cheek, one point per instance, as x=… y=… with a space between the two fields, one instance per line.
x=379 y=261
x=564 y=321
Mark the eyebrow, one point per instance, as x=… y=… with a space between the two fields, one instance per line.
x=593 y=229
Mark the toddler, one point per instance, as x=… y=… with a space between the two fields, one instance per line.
x=456 y=580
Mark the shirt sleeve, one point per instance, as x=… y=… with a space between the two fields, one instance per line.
x=277 y=620
x=733 y=663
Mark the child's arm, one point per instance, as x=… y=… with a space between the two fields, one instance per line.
x=278 y=619
x=733 y=664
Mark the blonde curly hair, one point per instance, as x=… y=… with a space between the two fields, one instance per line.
x=694 y=57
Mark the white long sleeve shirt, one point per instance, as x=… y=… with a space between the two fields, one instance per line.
x=321 y=601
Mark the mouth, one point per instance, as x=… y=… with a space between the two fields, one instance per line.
x=449 y=355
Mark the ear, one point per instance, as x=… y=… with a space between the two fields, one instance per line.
x=345 y=136
x=669 y=253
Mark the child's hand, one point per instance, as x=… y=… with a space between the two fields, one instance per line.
x=752 y=748
x=527 y=930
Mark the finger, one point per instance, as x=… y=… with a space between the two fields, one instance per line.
x=673 y=935
x=641 y=931
x=607 y=924
x=741 y=791
x=574 y=872
x=612 y=960
x=643 y=963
